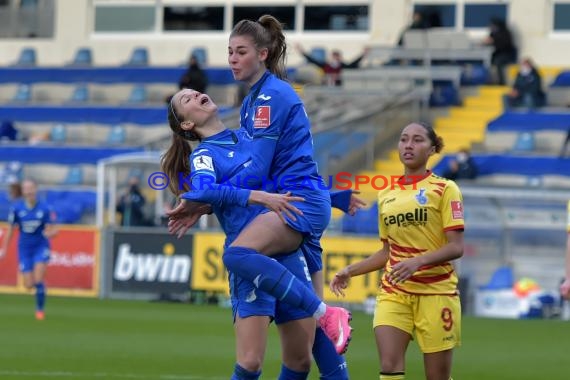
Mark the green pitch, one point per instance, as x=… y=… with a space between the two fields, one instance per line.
x=95 y=339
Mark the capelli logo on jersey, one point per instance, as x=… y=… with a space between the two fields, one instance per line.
x=405 y=219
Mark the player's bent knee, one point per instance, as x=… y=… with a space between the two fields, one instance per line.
x=297 y=362
x=251 y=363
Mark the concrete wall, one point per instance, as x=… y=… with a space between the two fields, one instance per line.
x=530 y=20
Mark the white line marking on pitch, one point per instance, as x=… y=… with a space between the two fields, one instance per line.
x=105 y=375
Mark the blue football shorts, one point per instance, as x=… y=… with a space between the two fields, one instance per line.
x=28 y=257
x=248 y=301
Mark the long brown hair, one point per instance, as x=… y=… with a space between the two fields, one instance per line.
x=175 y=162
x=266 y=33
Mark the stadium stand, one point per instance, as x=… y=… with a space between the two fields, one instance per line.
x=83 y=57
x=139 y=57
x=27 y=57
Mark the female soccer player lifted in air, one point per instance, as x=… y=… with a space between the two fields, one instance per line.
x=421 y=227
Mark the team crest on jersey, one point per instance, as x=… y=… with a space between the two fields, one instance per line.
x=456 y=210
x=262 y=118
x=421 y=197
x=203 y=163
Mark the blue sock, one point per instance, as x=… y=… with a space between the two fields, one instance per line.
x=331 y=365
x=40 y=296
x=241 y=373
x=289 y=374
x=270 y=276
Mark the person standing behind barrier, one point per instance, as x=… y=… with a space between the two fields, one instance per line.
x=35 y=222
x=504 y=50
x=421 y=228
x=131 y=204
x=194 y=77
x=333 y=68
x=565 y=287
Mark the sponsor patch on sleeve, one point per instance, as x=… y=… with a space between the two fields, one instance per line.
x=203 y=163
x=262 y=117
x=456 y=210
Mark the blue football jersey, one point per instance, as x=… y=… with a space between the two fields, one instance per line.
x=274 y=117
x=31 y=223
x=213 y=162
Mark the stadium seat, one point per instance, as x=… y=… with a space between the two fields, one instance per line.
x=80 y=94
x=27 y=57
x=83 y=57
x=58 y=133
x=319 y=54
x=74 y=176
x=23 y=93
x=117 y=135
x=201 y=55
x=139 y=57
x=524 y=143
x=138 y=94
x=502 y=278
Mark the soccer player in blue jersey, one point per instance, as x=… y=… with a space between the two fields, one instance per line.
x=222 y=154
x=35 y=222
x=274 y=117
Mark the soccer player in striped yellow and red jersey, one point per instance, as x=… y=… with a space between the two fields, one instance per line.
x=421 y=227
x=565 y=287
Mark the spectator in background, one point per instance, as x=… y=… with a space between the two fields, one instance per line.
x=527 y=89
x=194 y=77
x=565 y=145
x=131 y=204
x=333 y=67
x=8 y=131
x=462 y=167
x=504 y=49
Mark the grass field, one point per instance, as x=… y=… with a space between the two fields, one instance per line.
x=107 y=339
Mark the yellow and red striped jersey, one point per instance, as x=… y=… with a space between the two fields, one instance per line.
x=413 y=219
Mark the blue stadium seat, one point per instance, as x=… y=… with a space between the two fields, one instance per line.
x=4 y=205
x=27 y=57
x=74 y=176
x=83 y=57
x=138 y=94
x=80 y=94
x=201 y=55
x=319 y=54
x=139 y=57
x=502 y=278
x=58 y=133
x=365 y=222
x=524 y=143
x=117 y=135
x=23 y=94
